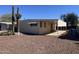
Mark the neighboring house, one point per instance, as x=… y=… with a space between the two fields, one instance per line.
x=38 y=26
x=5 y=26
x=61 y=25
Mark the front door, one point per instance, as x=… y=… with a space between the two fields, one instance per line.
x=51 y=27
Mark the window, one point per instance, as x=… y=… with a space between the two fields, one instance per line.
x=33 y=25
x=44 y=24
x=40 y=23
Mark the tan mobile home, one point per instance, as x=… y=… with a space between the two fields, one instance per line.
x=38 y=26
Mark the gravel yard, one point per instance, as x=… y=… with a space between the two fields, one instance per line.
x=37 y=44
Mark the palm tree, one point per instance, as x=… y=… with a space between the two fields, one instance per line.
x=13 y=20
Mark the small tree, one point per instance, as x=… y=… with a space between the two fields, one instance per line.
x=13 y=20
x=18 y=16
x=6 y=18
x=71 y=20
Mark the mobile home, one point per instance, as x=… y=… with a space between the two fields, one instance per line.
x=38 y=26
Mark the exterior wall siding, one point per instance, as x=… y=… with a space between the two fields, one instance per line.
x=26 y=28
x=43 y=29
x=3 y=27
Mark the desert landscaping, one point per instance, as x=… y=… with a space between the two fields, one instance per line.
x=37 y=44
x=38 y=36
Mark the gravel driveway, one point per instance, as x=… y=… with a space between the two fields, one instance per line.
x=36 y=44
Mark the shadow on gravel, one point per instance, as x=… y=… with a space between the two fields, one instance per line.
x=77 y=44
x=70 y=36
x=33 y=34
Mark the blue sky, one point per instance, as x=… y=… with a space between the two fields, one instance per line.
x=41 y=11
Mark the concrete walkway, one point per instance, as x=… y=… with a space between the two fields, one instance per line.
x=57 y=33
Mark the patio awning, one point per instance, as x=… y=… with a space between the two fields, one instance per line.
x=61 y=23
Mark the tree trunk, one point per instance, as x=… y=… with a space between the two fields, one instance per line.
x=18 y=20
x=13 y=28
x=17 y=25
x=67 y=26
x=13 y=19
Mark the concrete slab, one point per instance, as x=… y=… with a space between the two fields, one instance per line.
x=57 y=33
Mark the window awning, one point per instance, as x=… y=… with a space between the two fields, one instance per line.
x=32 y=22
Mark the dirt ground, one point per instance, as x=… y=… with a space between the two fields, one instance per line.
x=37 y=44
